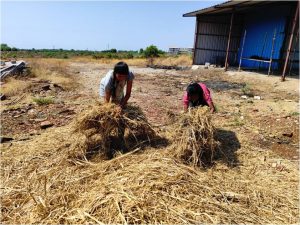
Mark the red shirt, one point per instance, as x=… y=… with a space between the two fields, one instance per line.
x=206 y=95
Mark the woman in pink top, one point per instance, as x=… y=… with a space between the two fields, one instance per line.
x=197 y=94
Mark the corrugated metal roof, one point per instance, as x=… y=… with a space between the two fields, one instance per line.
x=225 y=7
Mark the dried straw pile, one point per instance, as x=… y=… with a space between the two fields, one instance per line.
x=194 y=137
x=104 y=127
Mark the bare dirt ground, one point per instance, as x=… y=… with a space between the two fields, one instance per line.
x=269 y=123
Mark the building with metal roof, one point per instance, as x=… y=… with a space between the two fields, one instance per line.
x=178 y=50
x=249 y=34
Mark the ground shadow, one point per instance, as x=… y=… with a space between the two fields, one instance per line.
x=220 y=85
x=117 y=144
x=225 y=152
x=229 y=144
x=144 y=141
x=278 y=73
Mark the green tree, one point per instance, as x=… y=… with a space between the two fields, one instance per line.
x=141 y=51
x=129 y=55
x=151 y=51
x=5 y=47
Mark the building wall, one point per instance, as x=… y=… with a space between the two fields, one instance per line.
x=180 y=50
x=212 y=37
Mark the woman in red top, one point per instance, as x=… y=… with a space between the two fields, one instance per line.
x=197 y=94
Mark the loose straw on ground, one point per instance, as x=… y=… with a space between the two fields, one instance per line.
x=42 y=184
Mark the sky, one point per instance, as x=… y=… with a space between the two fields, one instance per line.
x=99 y=25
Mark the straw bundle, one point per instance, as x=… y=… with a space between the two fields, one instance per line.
x=193 y=137
x=104 y=129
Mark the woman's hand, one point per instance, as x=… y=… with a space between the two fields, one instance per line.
x=185 y=108
x=212 y=107
x=119 y=109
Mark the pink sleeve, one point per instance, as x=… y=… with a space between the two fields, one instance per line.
x=206 y=93
x=185 y=99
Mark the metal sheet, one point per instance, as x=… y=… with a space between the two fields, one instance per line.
x=212 y=40
x=260 y=26
x=10 y=68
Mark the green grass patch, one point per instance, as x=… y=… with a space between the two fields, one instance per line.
x=294 y=114
x=247 y=90
x=43 y=101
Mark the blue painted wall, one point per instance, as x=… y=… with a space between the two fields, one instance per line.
x=260 y=25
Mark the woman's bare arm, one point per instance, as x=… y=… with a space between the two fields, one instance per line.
x=128 y=93
x=212 y=107
x=185 y=108
x=107 y=96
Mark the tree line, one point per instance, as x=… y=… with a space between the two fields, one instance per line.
x=12 y=52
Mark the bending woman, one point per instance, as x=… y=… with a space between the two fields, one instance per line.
x=112 y=85
x=197 y=94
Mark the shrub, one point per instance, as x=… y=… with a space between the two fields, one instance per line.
x=247 y=90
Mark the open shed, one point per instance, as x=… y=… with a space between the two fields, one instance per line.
x=250 y=34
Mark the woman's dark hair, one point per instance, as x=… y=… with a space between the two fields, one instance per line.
x=194 y=89
x=121 y=68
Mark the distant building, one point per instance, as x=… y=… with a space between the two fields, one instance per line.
x=257 y=34
x=175 y=50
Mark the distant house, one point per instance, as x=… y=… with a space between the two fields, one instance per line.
x=254 y=34
x=176 y=50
